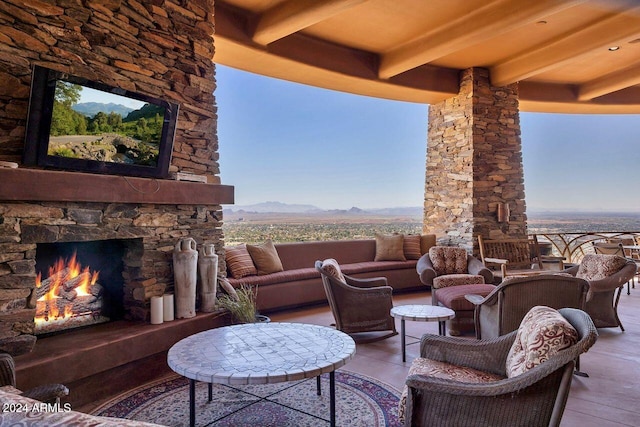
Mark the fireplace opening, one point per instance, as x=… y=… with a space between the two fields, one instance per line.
x=79 y=284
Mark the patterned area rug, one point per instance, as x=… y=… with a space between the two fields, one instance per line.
x=360 y=401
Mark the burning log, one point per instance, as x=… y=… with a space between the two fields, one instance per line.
x=97 y=290
x=57 y=277
x=84 y=277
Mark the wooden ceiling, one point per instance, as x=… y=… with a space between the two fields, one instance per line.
x=568 y=56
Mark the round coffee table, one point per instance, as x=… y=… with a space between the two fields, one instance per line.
x=261 y=353
x=421 y=313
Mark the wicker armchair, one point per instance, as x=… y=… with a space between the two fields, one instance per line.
x=534 y=398
x=50 y=393
x=503 y=309
x=451 y=273
x=358 y=305
x=607 y=275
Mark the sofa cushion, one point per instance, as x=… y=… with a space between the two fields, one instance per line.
x=444 y=370
x=389 y=247
x=453 y=297
x=239 y=262
x=448 y=260
x=265 y=257
x=543 y=332
x=411 y=246
x=457 y=280
x=599 y=266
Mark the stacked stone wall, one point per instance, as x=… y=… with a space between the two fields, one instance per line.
x=474 y=162
x=162 y=48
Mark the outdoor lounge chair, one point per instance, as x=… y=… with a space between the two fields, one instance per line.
x=358 y=305
x=460 y=382
x=606 y=275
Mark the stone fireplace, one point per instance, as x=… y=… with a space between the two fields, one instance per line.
x=161 y=48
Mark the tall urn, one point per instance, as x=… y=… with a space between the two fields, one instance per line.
x=185 y=271
x=208 y=266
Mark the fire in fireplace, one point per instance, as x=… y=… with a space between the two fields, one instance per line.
x=72 y=290
x=69 y=297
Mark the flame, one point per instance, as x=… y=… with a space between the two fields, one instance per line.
x=60 y=272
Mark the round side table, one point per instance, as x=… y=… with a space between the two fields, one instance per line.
x=421 y=313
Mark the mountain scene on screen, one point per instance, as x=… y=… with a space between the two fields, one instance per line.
x=103 y=132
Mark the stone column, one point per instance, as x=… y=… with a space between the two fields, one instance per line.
x=474 y=162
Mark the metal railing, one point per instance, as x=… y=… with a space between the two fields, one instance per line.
x=574 y=246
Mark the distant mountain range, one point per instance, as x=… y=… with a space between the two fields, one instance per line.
x=279 y=207
x=90 y=109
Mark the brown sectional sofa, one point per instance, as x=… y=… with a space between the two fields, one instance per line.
x=300 y=283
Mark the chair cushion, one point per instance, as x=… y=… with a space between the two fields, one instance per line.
x=239 y=262
x=597 y=266
x=389 y=247
x=457 y=280
x=453 y=297
x=542 y=333
x=435 y=368
x=331 y=267
x=448 y=260
x=265 y=257
x=411 y=246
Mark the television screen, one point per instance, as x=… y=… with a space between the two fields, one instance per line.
x=78 y=124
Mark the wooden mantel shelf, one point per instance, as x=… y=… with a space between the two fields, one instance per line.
x=49 y=186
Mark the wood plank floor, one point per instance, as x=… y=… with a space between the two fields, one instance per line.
x=609 y=397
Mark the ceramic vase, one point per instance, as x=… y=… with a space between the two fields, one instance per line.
x=185 y=270
x=208 y=266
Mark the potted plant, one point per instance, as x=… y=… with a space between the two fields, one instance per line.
x=242 y=304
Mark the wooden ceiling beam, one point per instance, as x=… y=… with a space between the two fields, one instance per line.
x=294 y=15
x=484 y=23
x=609 y=83
x=613 y=30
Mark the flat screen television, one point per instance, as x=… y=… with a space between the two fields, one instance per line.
x=78 y=124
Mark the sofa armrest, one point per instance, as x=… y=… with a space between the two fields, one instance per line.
x=475 y=266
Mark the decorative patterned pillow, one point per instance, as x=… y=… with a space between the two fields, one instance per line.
x=265 y=257
x=411 y=246
x=542 y=333
x=448 y=260
x=239 y=262
x=435 y=368
x=599 y=266
x=332 y=268
x=389 y=248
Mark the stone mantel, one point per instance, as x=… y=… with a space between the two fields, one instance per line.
x=46 y=185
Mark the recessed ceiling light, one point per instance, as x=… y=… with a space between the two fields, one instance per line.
x=614 y=48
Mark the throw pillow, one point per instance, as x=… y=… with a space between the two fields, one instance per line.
x=448 y=260
x=599 y=266
x=426 y=242
x=542 y=334
x=332 y=268
x=265 y=257
x=411 y=246
x=239 y=262
x=389 y=248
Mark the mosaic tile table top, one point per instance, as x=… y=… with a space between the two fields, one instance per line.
x=261 y=353
x=422 y=313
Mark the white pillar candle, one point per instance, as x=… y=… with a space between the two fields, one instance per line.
x=156 y=310
x=167 y=300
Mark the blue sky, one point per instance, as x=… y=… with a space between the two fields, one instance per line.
x=286 y=142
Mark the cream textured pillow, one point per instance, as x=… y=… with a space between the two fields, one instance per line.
x=239 y=262
x=411 y=246
x=389 y=248
x=600 y=266
x=265 y=257
x=542 y=333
